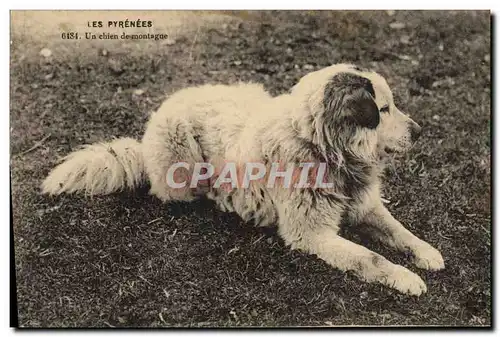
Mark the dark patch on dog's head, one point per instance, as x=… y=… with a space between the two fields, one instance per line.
x=365 y=111
x=352 y=96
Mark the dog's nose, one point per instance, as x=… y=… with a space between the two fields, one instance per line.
x=415 y=131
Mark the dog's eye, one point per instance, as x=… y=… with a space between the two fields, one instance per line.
x=385 y=108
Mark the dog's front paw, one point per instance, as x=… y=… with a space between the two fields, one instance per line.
x=406 y=281
x=428 y=257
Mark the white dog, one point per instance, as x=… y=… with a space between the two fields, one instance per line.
x=341 y=115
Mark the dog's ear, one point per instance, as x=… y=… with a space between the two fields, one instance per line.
x=349 y=96
x=362 y=109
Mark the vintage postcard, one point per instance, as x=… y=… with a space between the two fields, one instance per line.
x=250 y=168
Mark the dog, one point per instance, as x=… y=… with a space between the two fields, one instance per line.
x=341 y=115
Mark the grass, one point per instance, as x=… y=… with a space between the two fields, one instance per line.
x=129 y=260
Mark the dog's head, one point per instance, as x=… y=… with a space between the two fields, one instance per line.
x=351 y=108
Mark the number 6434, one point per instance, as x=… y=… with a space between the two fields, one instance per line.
x=69 y=36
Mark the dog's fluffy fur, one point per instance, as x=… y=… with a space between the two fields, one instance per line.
x=341 y=115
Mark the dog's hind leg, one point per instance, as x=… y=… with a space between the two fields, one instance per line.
x=169 y=141
x=383 y=226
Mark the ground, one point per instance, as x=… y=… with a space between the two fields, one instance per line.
x=129 y=260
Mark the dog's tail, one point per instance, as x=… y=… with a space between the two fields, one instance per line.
x=98 y=169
